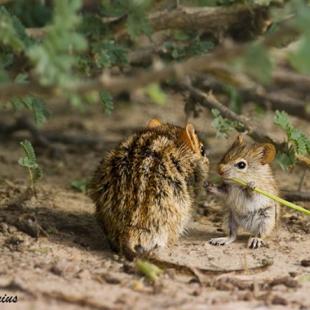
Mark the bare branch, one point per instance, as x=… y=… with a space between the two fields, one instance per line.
x=289 y=78
x=214 y=20
x=274 y=100
x=295 y=196
x=36 y=33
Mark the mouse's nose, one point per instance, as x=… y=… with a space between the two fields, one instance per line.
x=221 y=169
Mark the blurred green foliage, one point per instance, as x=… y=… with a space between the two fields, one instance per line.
x=223 y=125
x=78 y=44
x=54 y=58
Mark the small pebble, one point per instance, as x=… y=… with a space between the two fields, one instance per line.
x=111 y=279
x=63 y=267
x=4 y=228
x=14 y=243
x=12 y=229
x=278 y=300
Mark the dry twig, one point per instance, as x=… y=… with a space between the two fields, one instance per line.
x=295 y=195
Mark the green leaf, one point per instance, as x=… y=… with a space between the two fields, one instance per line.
x=26 y=162
x=40 y=112
x=29 y=151
x=180 y=35
x=156 y=94
x=257 y=63
x=262 y=2
x=149 y=270
x=223 y=125
x=35 y=105
x=30 y=161
x=3 y=75
x=107 y=101
x=21 y=78
x=297 y=141
x=196 y=46
x=281 y=119
x=80 y=185
x=137 y=25
x=300 y=59
x=285 y=160
x=235 y=100
x=55 y=57
x=7 y=59
x=137 y=21
x=10 y=31
x=108 y=53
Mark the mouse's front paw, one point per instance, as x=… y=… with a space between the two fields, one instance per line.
x=255 y=243
x=221 y=241
x=209 y=186
x=250 y=186
x=212 y=188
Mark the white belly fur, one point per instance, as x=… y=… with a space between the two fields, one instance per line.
x=245 y=211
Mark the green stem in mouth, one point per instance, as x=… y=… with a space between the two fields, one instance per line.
x=273 y=197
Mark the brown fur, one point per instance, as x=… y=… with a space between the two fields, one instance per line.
x=251 y=211
x=143 y=190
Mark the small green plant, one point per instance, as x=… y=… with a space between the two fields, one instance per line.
x=297 y=142
x=31 y=164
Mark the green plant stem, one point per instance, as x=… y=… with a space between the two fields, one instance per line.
x=273 y=197
x=31 y=182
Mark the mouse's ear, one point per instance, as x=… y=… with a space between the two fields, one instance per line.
x=189 y=137
x=153 y=123
x=269 y=153
x=239 y=140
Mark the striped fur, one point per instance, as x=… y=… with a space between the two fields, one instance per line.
x=143 y=190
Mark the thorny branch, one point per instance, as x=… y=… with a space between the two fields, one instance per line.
x=274 y=99
x=208 y=100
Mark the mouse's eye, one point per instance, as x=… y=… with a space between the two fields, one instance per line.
x=202 y=150
x=241 y=164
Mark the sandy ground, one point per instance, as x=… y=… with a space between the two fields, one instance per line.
x=54 y=255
